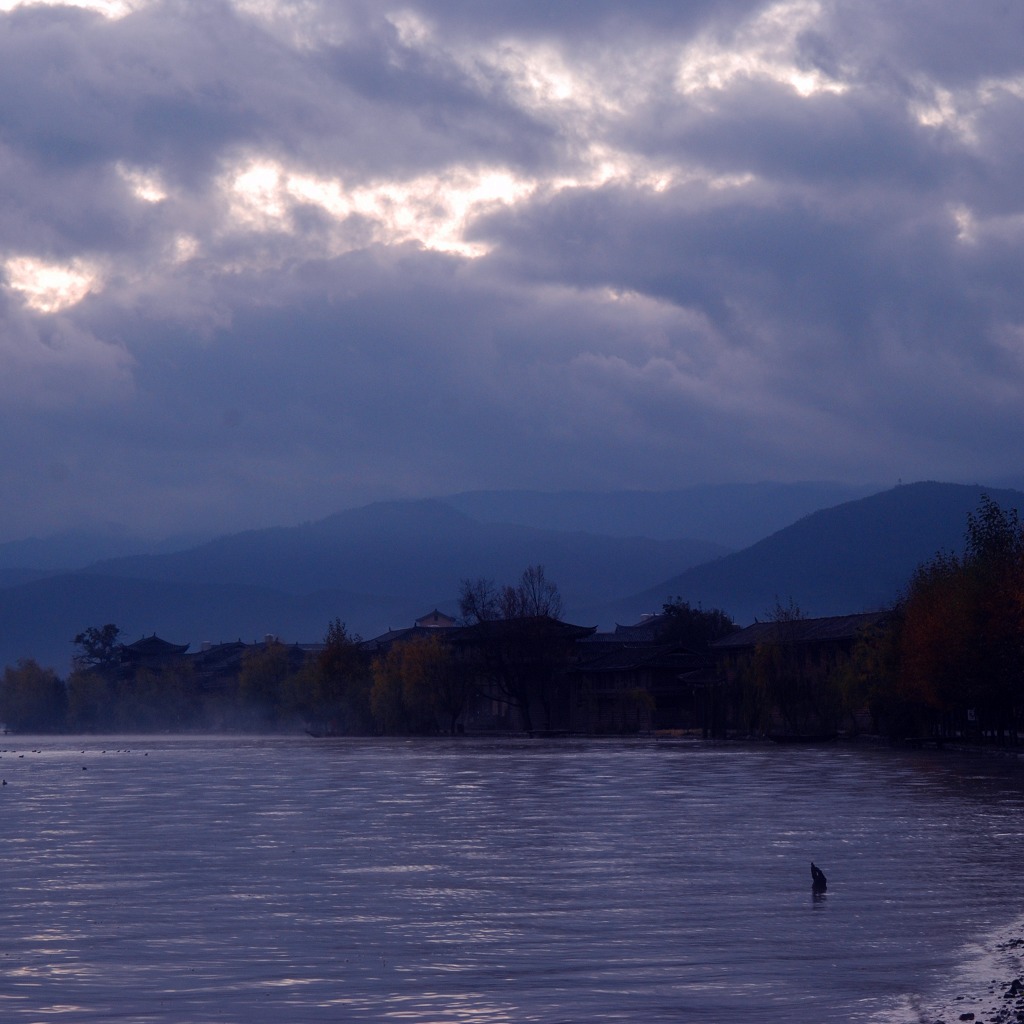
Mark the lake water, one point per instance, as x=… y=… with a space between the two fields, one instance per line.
x=244 y=880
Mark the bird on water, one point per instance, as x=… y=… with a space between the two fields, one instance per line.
x=819 y=883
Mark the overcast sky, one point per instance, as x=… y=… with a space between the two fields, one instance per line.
x=262 y=260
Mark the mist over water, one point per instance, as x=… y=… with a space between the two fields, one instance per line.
x=254 y=879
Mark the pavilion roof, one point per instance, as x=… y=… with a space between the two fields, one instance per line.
x=153 y=647
x=829 y=629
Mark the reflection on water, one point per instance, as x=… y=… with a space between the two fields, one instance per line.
x=297 y=880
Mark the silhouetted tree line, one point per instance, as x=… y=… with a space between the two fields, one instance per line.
x=791 y=691
x=419 y=686
x=276 y=686
x=515 y=642
x=947 y=660
x=693 y=626
x=950 y=660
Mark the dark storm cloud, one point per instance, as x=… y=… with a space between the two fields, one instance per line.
x=79 y=89
x=825 y=139
x=957 y=44
x=581 y=23
x=263 y=260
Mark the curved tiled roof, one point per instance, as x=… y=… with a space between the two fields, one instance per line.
x=801 y=631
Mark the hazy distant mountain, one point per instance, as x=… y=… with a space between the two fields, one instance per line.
x=76 y=549
x=854 y=557
x=374 y=567
x=422 y=548
x=40 y=619
x=734 y=515
x=15 y=577
x=1009 y=483
x=383 y=565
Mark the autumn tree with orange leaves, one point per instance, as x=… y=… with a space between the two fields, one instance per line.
x=962 y=637
x=419 y=687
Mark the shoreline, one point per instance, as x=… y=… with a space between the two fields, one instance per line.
x=989 y=990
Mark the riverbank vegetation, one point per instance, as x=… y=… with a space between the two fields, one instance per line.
x=949 y=661
x=945 y=662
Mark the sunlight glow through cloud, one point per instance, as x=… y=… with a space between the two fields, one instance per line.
x=542 y=79
x=941 y=109
x=688 y=220
x=301 y=24
x=958 y=112
x=434 y=210
x=764 y=48
x=50 y=287
x=184 y=248
x=144 y=185
x=539 y=77
x=413 y=32
x=113 y=9
x=964 y=220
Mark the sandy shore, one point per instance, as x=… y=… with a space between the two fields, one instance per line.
x=993 y=995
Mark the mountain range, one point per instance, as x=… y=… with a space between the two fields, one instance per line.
x=382 y=565
x=857 y=556
x=734 y=515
